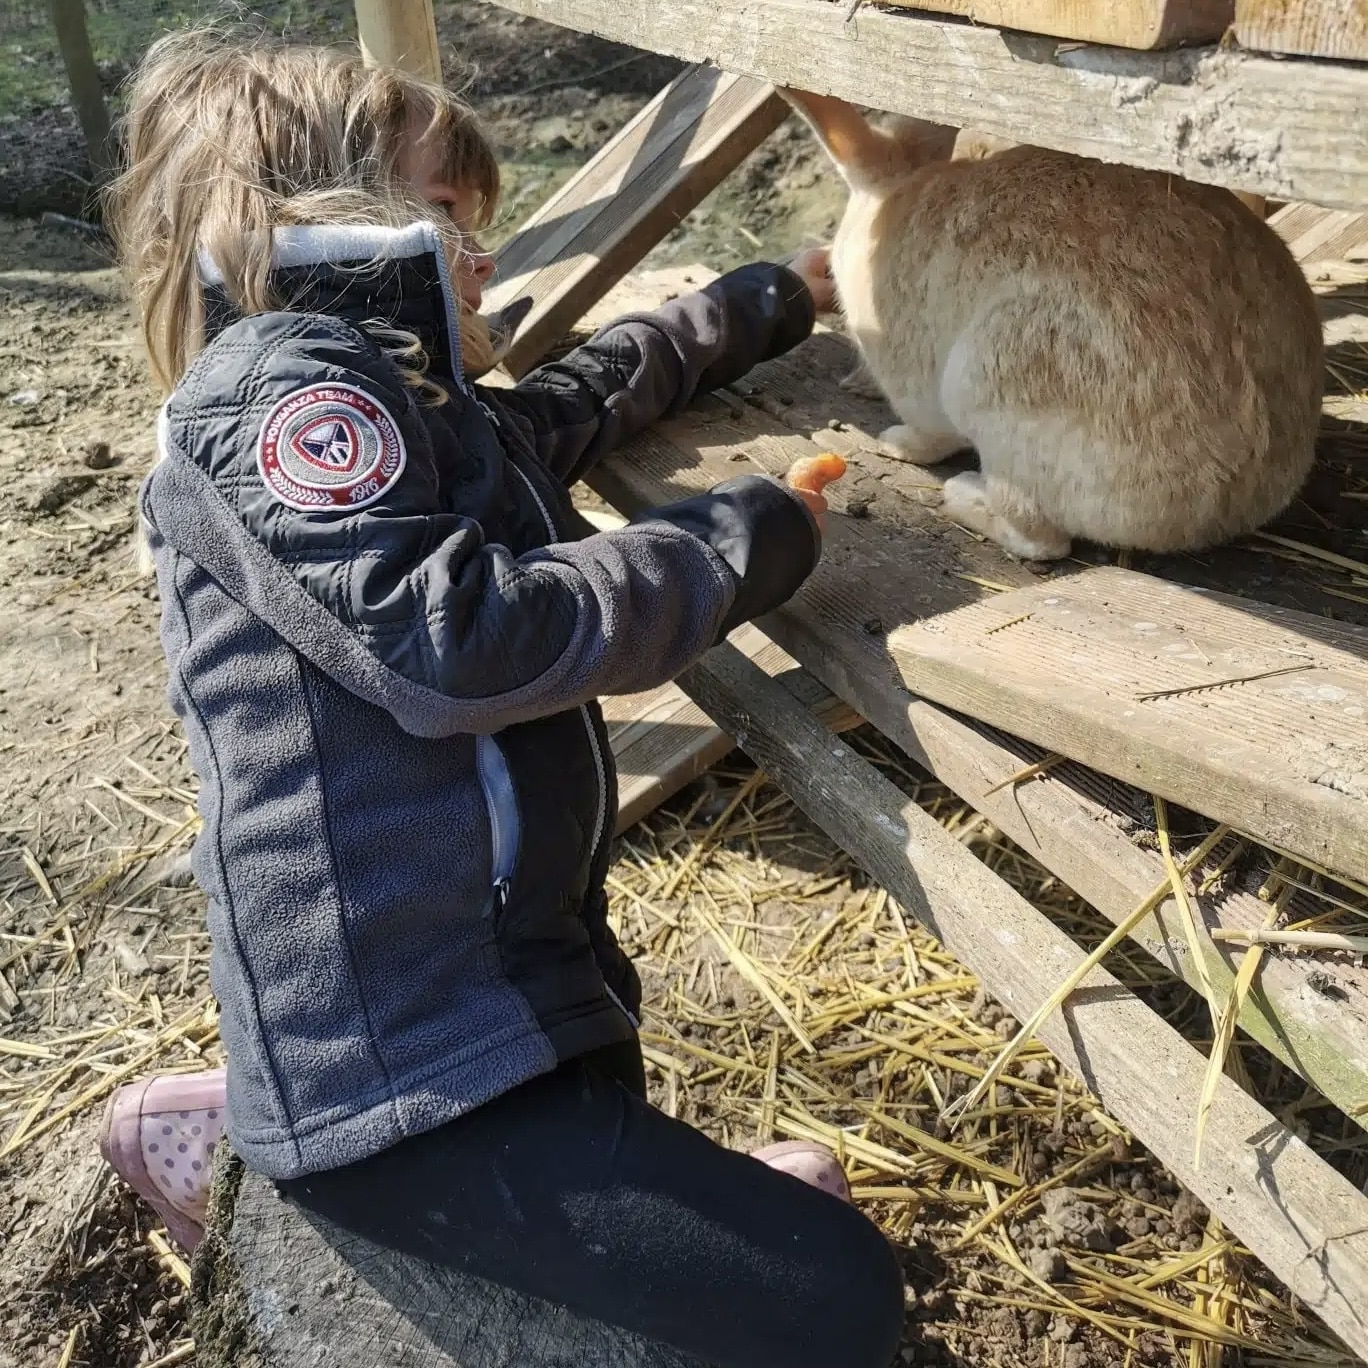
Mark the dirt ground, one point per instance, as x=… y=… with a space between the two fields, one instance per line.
x=103 y=957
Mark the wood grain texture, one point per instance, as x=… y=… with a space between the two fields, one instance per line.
x=1078 y=823
x=1125 y=23
x=1253 y=715
x=400 y=33
x=1305 y=1221
x=624 y=201
x=1314 y=234
x=1317 y=28
x=661 y=740
x=1274 y=128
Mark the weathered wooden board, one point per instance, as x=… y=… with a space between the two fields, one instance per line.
x=624 y=201
x=1308 y=1223
x=662 y=740
x=1314 y=234
x=1317 y=28
x=1125 y=23
x=1079 y=824
x=1253 y=715
x=1273 y=127
x=400 y=33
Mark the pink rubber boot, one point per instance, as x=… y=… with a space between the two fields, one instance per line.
x=159 y=1136
x=809 y=1162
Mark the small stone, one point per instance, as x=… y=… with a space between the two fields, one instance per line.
x=131 y=960
x=858 y=507
x=872 y=626
x=1138 y=1227
x=1047 y=1264
x=25 y=398
x=1062 y=1329
x=98 y=456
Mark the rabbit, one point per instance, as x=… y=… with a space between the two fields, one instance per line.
x=1137 y=359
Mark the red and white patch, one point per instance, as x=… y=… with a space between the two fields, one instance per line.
x=329 y=446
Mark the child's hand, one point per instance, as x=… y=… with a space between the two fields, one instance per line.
x=813 y=267
x=810 y=475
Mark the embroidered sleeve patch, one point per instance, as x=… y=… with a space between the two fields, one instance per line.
x=329 y=446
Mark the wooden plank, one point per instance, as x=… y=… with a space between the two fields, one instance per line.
x=1316 y=28
x=1066 y=820
x=1273 y=127
x=1077 y=824
x=662 y=740
x=624 y=201
x=1306 y=1222
x=73 y=39
x=1253 y=715
x=1125 y=23
x=1314 y=234
x=400 y=33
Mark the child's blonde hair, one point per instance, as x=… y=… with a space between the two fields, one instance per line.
x=231 y=137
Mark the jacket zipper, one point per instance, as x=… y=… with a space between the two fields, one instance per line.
x=600 y=770
x=497 y=785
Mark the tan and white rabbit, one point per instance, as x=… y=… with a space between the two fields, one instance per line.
x=1136 y=359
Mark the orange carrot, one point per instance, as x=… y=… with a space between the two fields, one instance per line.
x=814 y=473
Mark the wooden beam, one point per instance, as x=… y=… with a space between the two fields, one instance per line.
x=1253 y=715
x=1314 y=234
x=1132 y=24
x=1306 y=1222
x=73 y=38
x=624 y=201
x=661 y=740
x=1318 y=28
x=1282 y=129
x=400 y=33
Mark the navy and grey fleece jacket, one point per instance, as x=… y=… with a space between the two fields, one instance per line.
x=386 y=627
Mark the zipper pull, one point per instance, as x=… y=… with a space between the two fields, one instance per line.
x=501 y=892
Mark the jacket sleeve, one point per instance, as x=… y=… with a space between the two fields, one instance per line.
x=645 y=366
x=459 y=633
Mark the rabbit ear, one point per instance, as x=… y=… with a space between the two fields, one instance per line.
x=859 y=150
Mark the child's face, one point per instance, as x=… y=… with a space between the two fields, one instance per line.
x=472 y=266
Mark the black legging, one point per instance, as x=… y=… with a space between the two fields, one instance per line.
x=574 y=1190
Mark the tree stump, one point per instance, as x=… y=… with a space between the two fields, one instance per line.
x=273 y=1287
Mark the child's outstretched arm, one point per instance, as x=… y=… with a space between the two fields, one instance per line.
x=415 y=609
x=647 y=365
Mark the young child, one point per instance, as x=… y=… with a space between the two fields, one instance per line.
x=386 y=627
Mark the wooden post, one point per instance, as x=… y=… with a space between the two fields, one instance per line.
x=73 y=38
x=400 y=33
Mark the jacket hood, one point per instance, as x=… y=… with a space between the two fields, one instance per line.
x=362 y=274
